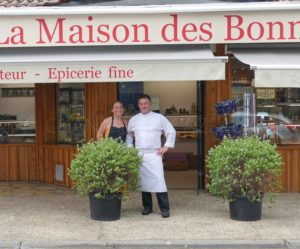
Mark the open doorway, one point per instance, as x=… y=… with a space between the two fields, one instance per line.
x=178 y=101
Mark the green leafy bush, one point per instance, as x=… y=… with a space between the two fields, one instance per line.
x=245 y=167
x=105 y=167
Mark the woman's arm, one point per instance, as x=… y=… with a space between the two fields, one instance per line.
x=130 y=134
x=126 y=122
x=103 y=126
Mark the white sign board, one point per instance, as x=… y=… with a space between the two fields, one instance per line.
x=110 y=72
x=265 y=93
x=150 y=28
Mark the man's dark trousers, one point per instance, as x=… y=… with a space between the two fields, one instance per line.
x=162 y=198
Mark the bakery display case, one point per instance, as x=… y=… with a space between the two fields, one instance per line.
x=184 y=156
x=270 y=113
x=185 y=126
x=17 y=131
x=278 y=113
x=71 y=115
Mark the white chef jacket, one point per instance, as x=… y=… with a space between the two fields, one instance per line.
x=147 y=130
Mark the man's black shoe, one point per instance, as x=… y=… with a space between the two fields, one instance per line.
x=146 y=211
x=165 y=213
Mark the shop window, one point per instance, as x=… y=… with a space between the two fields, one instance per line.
x=270 y=113
x=70 y=113
x=128 y=94
x=17 y=113
x=278 y=114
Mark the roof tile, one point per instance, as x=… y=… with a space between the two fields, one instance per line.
x=29 y=3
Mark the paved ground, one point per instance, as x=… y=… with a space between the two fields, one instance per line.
x=149 y=245
x=43 y=216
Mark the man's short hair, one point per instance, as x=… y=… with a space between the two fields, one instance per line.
x=144 y=96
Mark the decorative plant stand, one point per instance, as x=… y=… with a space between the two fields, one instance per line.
x=227 y=130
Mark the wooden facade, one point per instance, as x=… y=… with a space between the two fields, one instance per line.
x=36 y=162
x=18 y=162
x=215 y=91
x=291 y=169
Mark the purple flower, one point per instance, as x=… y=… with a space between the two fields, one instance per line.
x=226 y=107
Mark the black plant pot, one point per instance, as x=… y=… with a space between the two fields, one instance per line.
x=107 y=208
x=245 y=210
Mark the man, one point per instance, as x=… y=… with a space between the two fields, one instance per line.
x=146 y=128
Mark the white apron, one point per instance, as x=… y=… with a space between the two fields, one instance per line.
x=147 y=130
x=152 y=173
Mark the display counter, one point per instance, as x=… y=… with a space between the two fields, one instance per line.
x=185 y=126
x=270 y=113
x=17 y=131
x=184 y=155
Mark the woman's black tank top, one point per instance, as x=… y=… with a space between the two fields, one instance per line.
x=117 y=132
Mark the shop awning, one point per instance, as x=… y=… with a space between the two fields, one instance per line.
x=109 y=64
x=273 y=67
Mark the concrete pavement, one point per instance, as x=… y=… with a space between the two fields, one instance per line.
x=41 y=216
x=203 y=244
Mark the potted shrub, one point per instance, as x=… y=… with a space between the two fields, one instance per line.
x=104 y=170
x=242 y=171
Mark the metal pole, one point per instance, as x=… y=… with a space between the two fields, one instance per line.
x=200 y=137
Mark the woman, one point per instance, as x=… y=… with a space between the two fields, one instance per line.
x=114 y=126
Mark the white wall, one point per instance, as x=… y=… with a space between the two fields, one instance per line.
x=24 y=107
x=181 y=94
